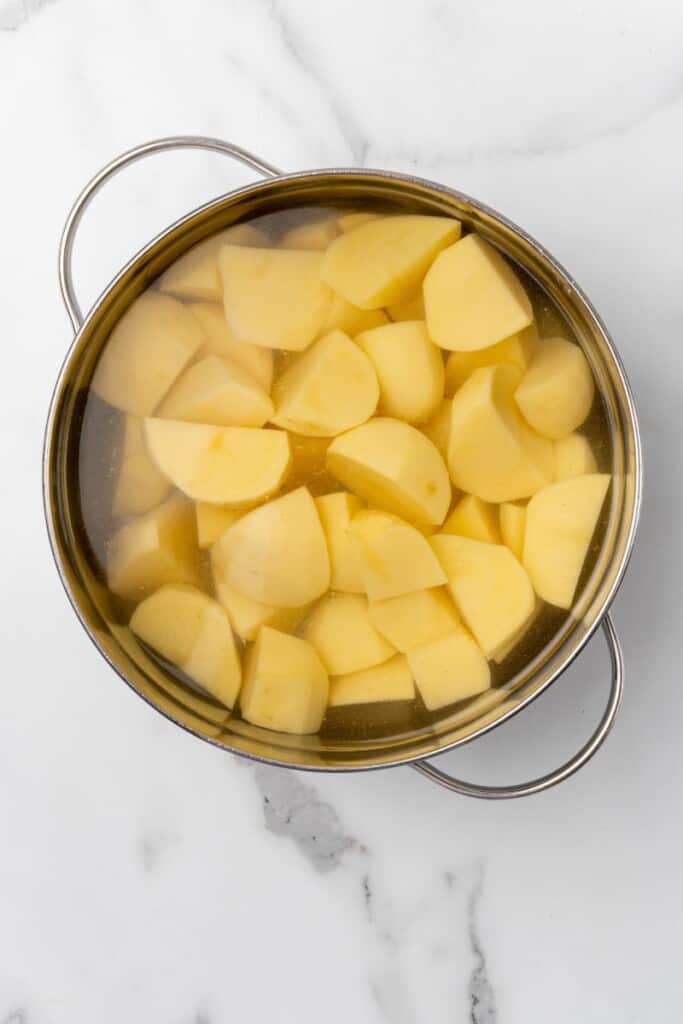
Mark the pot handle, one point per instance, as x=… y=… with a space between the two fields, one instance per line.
x=569 y=767
x=129 y=157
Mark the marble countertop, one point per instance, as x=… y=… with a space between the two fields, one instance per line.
x=145 y=876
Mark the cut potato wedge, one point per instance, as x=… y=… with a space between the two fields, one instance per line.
x=383 y=261
x=274 y=297
x=556 y=393
x=221 y=341
x=392 y=465
x=409 y=369
x=574 y=457
x=517 y=350
x=285 y=684
x=336 y=512
x=394 y=557
x=219 y=392
x=139 y=484
x=346 y=317
x=490 y=588
x=349 y=221
x=413 y=620
x=247 y=616
x=327 y=390
x=159 y=547
x=316 y=235
x=276 y=554
x=195 y=275
x=560 y=523
x=391 y=681
x=212 y=521
x=438 y=428
x=193 y=632
x=148 y=348
x=512 y=518
x=475 y=519
x=492 y=453
x=410 y=309
x=449 y=670
x=340 y=629
x=473 y=297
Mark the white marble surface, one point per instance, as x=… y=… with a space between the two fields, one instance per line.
x=145 y=876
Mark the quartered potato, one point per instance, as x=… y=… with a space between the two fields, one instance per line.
x=221 y=341
x=574 y=457
x=247 y=616
x=219 y=392
x=316 y=235
x=413 y=620
x=212 y=521
x=392 y=680
x=517 y=350
x=448 y=670
x=410 y=309
x=394 y=557
x=344 y=316
x=512 y=518
x=285 y=684
x=409 y=369
x=556 y=393
x=139 y=484
x=475 y=519
x=438 y=428
x=349 y=221
x=156 y=548
x=340 y=629
x=336 y=512
x=195 y=275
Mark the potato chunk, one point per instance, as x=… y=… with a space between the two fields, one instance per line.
x=326 y=390
x=490 y=588
x=390 y=681
x=195 y=275
x=512 y=518
x=560 y=523
x=410 y=309
x=413 y=620
x=556 y=393
x=474 y=518
x=315 y=235
x=349 y=221
x=221 y=341
x=409 y=369
x=159 y=547
x=247 y=616
x=285 y=684
x=139 y=484
x=274 y=297
x=574 y=457
x=438 y=428
x=192 y=630
x=394 y=557
x=340 y=629
x=212 y=521
x=277 y=553
x=346 y=317
x=149 y=347
x=473 y=298
x=448 y=670
x=492 y=453
x=336 y=512
x=392 y=465
x=517 y=350
x=384 y=260
x=218 y=392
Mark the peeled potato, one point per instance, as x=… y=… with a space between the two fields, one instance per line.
x=159 y=547
x=247 y=616
x=518 y=350
x=409 y=369
x=336 y=512
x=326 y=390
x=219 y=392
x=346 y=317
x=274 y=297
x=195 y=275
x=235 y=466
x=492 y=453
x=474 y=518
x=448 y=670
x=349 y=221
x=473 y=298
x=410 y=309
x=574 y=457
x=556 y=393
x=490 y=588
x=384 y=260
x=413 y=620
x=560 y=523
x=343 y=635
x=221 y=341
x=139 y=484
x=512 y=519
x=394 y=557
x=390 y=681
x=191 y=630
x=212 y=521
x=277 y=553
x=285 y=684
x=438 y=428
x=149 y=347
x=316 y=235
x=392 y=465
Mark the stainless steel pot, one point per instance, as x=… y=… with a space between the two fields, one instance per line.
x=201 y=715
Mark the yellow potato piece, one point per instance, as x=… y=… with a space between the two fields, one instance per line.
x=560 y=523
x=383 y=261
x=195 y=275
x=556 y=393
x=438 y=428
x=159 y=547
x=346 y=317
x=192 y=630
x=316 y=235
x=392 y=465
x=410 y=309
x=340 y=629
x=413 y=620
x=219 y=392
x=336 y=512
x=492 y=453
x=285 y=684
x=139 y=484
x=221 y=341
x=274 y=297
x=247 y=616
x=349 y=221
x=149 y=347
x=474 y=518
x=574 y=457
x=517 y=350
x=212 y=521
x=326 y=390
x=235 y=466
x=276 y=554
x=409 y=369
x=490 y=588
x=473 y=298
x=394 y=557
x=448 y=670
x=390 y=681
x=512 y=518
x=308 y=468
